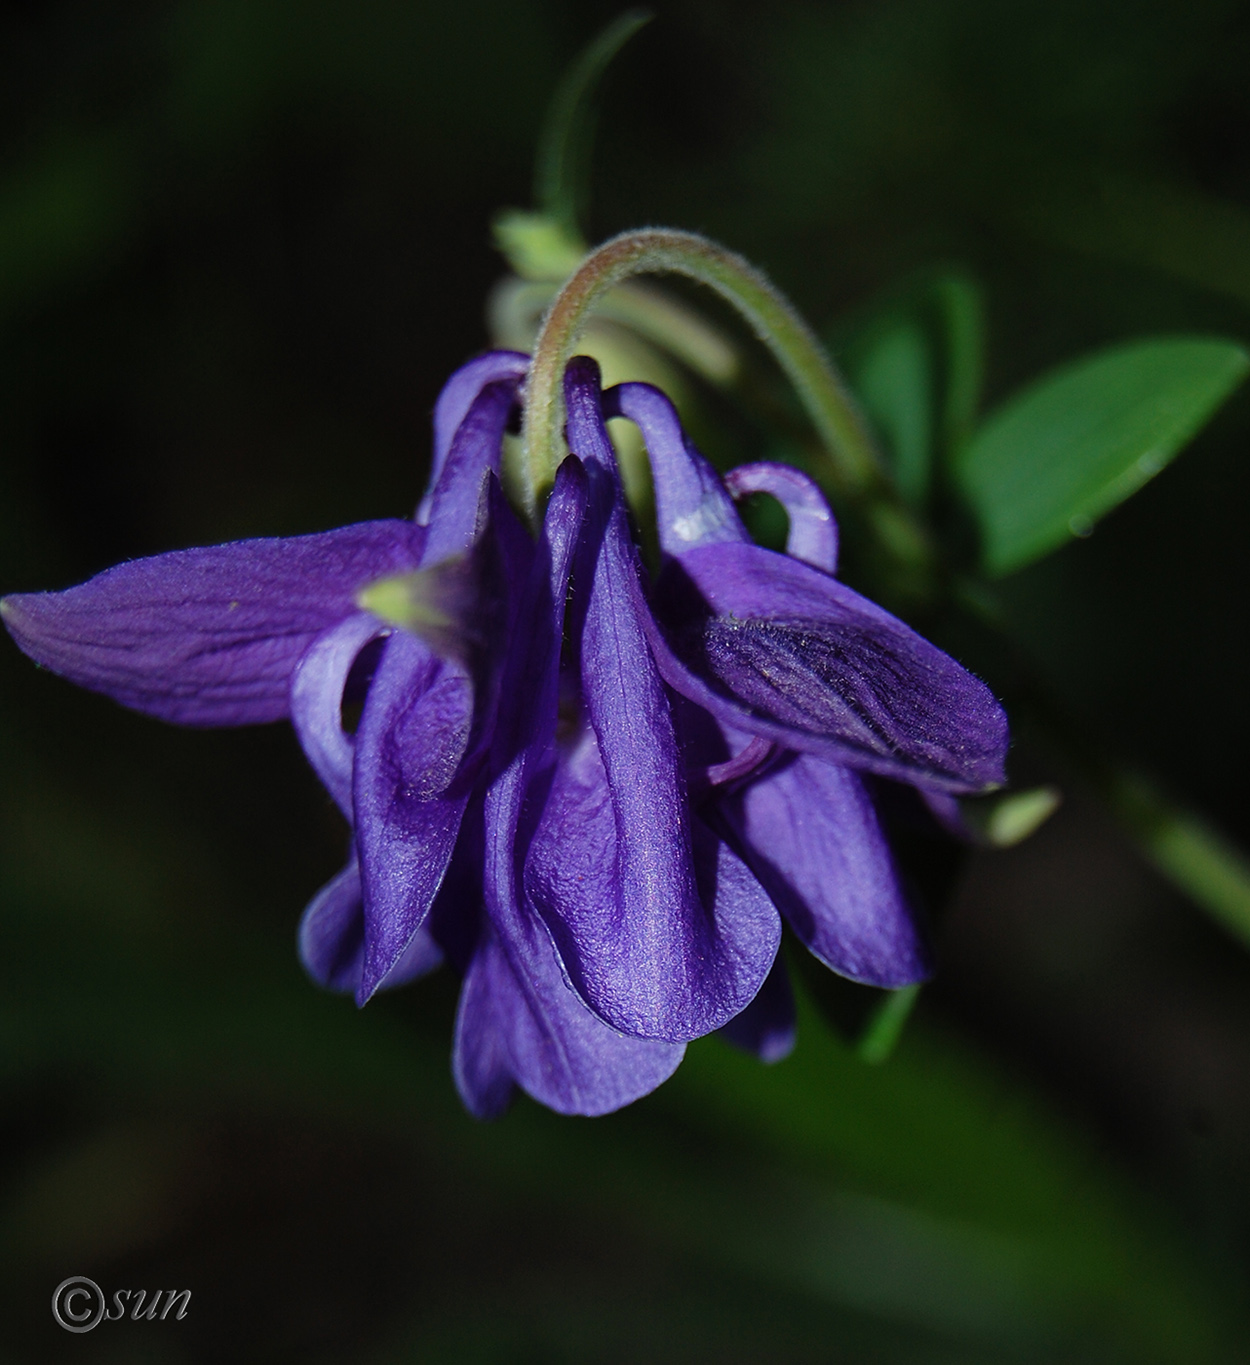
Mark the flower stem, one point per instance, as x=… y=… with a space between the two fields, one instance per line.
x=855 y=471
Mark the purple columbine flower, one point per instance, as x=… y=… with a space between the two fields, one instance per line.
x=596 y=795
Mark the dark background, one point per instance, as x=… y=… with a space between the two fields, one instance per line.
x=242 y=243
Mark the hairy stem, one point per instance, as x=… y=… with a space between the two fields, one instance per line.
x=854 y=470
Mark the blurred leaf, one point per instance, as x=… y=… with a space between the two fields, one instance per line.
x=915 y=361
x=1078 y=441
x=894 y=380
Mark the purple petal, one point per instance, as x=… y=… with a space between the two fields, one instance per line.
x=648 y=961
x=457 y=505
x=209 y=636
x=813 y=533
x=810 y=832
x=551 y=1044
x=414 y=732
x=768 y=1025
x=692 y=506
x=332 y=932
x=526 y=726
x=612 y=865
x=455 y=401
x=776 y=648
x=332 y=938
x=479 y=1058
x=317 y=702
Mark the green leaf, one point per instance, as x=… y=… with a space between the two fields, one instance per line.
x=1078 y=441
x=915 y=362
x=894 y=379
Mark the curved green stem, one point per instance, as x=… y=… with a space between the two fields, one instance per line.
x=854 y=468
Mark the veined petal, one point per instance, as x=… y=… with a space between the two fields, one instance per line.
x=810 y=832
x=776 y=648
x=662 y=930
x=332 y=938
x=455 y=401
x=530 y=1026
x=414 y=733
x=208 y=636
x=649 y=965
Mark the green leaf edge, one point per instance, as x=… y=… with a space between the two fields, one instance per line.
x=1000 y=560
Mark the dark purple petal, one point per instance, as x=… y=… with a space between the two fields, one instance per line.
x=414 y=733
x=209 y=636
x=810 y=832
x=555 y=1048
x=457 y=503
x=656 y=948
x=332 y=938
x=455 y=401
x=692 y=506
x=524 y=735
x=649 y=962
x=813 y=533
x=332 y=932
x=479 y=1059
x=768 y=1025
x=776 y=648
x=317 y=687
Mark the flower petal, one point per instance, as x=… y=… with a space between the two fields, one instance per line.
x=455 y=401
x=810 y=832
x=813 y=534
x=457 y=505
x=655 y=948
x=650 y=963
x=555 y=1048
x=208 y=636
x=479 y=1057
x=317 y=702
x=768 y=1025
x=332 y=938
x=407 y=799
x=776 y=648
x=692 y=506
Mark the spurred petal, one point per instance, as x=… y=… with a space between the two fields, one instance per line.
x=813 y=534
x=692 y=506
x=654 y=948
x=332 y=938
x=776 y=648
x=458 y=507
x=650 y=965
x=550 y=1043
x=208 y=636
x=768 y=1025
x=810 y=832
x=455 y=401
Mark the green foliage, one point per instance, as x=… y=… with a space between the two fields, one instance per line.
x=915 y=362
x=1077 y=442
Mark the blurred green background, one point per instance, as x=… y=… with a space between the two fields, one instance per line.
x=242 y=243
